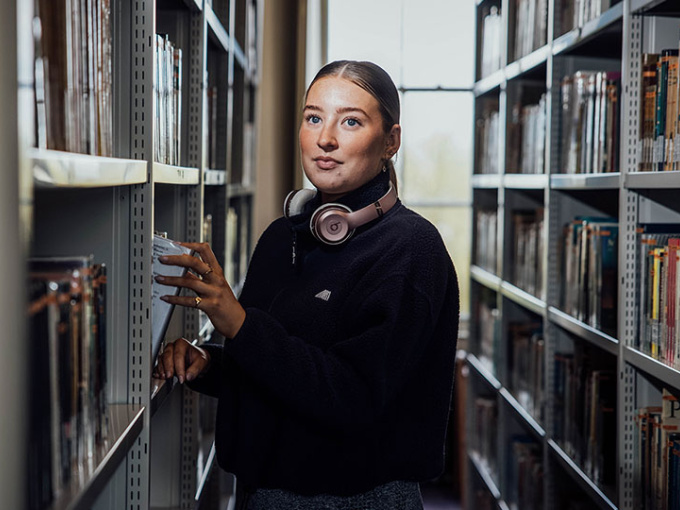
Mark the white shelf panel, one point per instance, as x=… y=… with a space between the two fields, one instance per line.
x=484 y=277
x=523 y=298
x=523 y=415
x=489 y=83
x=576 y=36
x=486 y=181
x=214 y=177
x=595 y=493
x=585 y=181
x=565 y=41
x=125 y=424
x=526 y=181
x=592 y=335
x=170 y=174
x=527 y=63
x=217 y=30
x=239 y=190
x=658 y=370
x=652 y=180
x=69 y=170
x=240 y=55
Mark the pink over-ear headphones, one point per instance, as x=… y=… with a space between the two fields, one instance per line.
x=334 y=223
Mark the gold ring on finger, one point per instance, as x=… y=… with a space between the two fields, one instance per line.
x=210 y=270
x=198 y=301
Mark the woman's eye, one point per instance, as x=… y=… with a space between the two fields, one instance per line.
x=352 y=122
x=313 y=119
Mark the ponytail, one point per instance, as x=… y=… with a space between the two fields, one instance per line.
x=389 y=167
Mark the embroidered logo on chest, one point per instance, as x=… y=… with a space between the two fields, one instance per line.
x=324 y=295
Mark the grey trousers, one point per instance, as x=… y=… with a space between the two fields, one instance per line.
x=391 y=496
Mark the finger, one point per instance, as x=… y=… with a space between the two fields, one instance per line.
x=199 y=361
x=189 y=281
x=186 y=301
x=179 y=358
x=165 y=364
x=207 y=256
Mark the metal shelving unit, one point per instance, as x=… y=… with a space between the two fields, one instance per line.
x=110 y=207
x=614 y=41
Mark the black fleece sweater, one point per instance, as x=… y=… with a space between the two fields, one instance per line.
x=340 y=378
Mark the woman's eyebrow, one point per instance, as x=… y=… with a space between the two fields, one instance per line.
x=350 y=109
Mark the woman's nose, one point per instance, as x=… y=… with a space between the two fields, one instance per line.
x=327 y=140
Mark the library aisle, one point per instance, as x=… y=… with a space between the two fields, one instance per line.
x=574 y=386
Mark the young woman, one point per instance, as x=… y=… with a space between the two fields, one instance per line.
x=335 y=380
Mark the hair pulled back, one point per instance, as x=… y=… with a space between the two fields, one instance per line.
x=374 y=80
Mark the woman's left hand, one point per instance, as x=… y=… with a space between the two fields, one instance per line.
x=213 y=293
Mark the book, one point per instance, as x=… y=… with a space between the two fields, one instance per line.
x=161 y=311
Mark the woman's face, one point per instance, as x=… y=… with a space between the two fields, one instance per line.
x=342 y=141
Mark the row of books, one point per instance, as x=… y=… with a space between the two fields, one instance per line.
x=526 y=353
x=657 y=454
x=526 y=138
x=527 y=247
x=485 y=439
x=531 y=26
x=585 y=414
x=73 y=76
x=68 y=408
x=492 y=42
x=590 y=122
x=579 y=12
x=488 y=330
x=486 y=240
x=168 y=94
x=590 y=269
x=525 y=474
x=659 y=289
x=488 y=139
x=659 y=113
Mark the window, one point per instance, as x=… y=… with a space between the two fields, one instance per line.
x=427 y=47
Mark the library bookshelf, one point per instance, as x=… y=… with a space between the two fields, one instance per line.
x=573 y=376
x=148 y=158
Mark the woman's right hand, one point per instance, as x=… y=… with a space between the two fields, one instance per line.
x=182 y=359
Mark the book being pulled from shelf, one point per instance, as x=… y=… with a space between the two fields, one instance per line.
x=73 y=76
x=659 y=292
x=656 y=475
x=579 y=12
x=527 y=249
x=525 y=474
x=488 y=142
x=492 y=29
x=531 y=26
x=168 y=97
x=526 y=348
x=526 y=138
x=659 y=112
x=68 y=408
x=486 y=252
x=585 y=414
x=589 y=271
x=590 y=122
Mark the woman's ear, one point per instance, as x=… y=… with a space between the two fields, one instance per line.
x=393 y=141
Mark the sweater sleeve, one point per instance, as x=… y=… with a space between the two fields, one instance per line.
x=349 y=385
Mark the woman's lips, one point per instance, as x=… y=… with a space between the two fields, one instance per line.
x=326 y=163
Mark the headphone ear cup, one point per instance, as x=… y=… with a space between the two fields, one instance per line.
x=329 y=224
x=294 y=203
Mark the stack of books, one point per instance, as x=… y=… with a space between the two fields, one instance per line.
x=578 y=12
x=73 y=76
x=488 y=141
x=531 y=25
x=659 y=112
x=486 y=225
x=68 y=409
x=590 y=122
x=492 y=30
x=527 y=347
x=526 y=138
x=525 y=474
x=527 y=249
x=168 y=95
x=590 y=269
x=659 y=299
x=657 y=454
